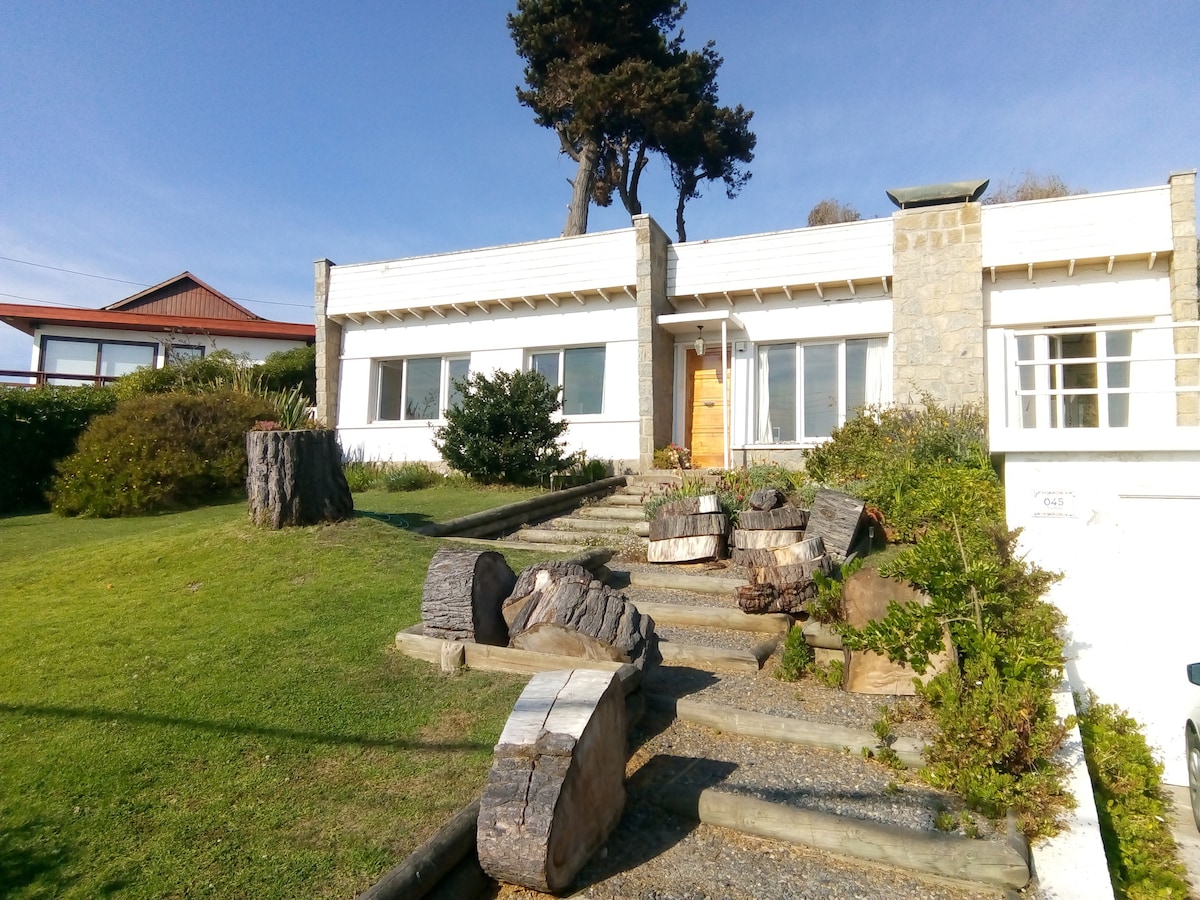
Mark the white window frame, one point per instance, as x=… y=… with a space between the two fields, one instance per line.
x=562 y=371
x=383 y=365
x=801 y=439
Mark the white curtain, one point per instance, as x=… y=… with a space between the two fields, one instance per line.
x=765 y=432
x=878 y=371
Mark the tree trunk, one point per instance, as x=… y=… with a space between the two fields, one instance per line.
x=780 y=518
x=295 y=478
x=568 y=598
x=688 y=526
x=557 y=783
x=689 y=506
x=581 y=190
x=463 y=594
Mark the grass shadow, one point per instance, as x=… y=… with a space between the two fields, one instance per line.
x=25 y=861
x=405 y=520
x=244 y=728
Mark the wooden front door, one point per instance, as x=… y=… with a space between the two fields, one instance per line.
x=704 y=428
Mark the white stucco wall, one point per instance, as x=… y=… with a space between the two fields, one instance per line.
x=499 y=340
x=253 y=349
x=1121 y=528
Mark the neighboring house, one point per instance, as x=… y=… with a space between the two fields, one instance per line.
x=1073 y=320
x=180 y=319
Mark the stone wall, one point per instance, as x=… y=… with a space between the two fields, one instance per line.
x=937 y=303
x=329 y=348
x=656 y=347
x=1184 y=292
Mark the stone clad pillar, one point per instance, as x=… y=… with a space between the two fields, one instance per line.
x=937 y=305
x=329 y=349
x=656 y=348
x=1184 y=292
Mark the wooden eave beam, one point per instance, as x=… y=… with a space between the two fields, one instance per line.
x=552 y=299
x=632 y=296
x=1153 y=259
x=356 y=319
x=850 y=284
x=787 y=291
x=1111 y=260
x=758 y=296
x=505 y=304
x=374 y=318
x=529 y=303
x=993 y=270
x=487 y=309
x=578 y=299
x=604 y=295
x=820 y=293
x=1029 y=277
x=396 y=314
x=1071 y=268
x=728 y=299
x=438 y=311
x=883 y=281
x=458 y=309
x=700 y=300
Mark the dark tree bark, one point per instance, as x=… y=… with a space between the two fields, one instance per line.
x=463 y=595
x=581 y=190
x=296 y=478
x=688 y=526
x=780 y=518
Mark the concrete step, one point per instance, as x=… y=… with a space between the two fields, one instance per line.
x=576 y=523
x=618 y=513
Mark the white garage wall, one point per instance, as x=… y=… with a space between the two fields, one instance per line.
x=1120 y=527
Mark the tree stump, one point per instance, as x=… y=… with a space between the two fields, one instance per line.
x=667 y=527
x=557 y=783
x=835 y=517
x=689 y=549
x=799 y=552
x=762 y=540
x=561 y=608
x=689 y=506
x=778 y=518
x=463 y=596
x=296 y=478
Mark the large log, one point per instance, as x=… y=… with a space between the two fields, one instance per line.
x=757 y=540
x=799 y=552
x=550 y=600
x=783 y=517
x=295 y=478
x=835 y=517
x=689 y=506
x=556 y=787
x=430 y=863
x=688 y=526
x=934 y=852
x=463 y=595
x=790 y=574
x=712 y=617
x=752 y=556
x=686 y=549
x=866 y=596
x=790 y=598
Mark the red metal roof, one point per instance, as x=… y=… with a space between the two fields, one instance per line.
x=28 y=318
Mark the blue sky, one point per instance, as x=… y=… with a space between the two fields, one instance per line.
x=242 y=140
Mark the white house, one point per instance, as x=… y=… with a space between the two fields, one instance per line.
x=1074 y=320
x=180 y=318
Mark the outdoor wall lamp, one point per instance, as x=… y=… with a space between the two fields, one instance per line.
x=699 y=345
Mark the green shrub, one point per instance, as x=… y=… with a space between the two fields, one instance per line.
x=38 y=427
x=158 y=451
x=1133 y=813
x=287 y=370
x=503 y=431
x=409 y=476
x=202 y=373
x=797 y=658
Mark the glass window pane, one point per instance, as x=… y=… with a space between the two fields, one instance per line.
x=546 y=365
x=121 y=359
x=181 y=353
x=456 y=370
x=583 y=380
x=1118 y=343
x=1028 y=381
x=390 y=380
x=820 y=389
x=70 y=358
x=1079 y=410
x=856 y=377
x=777 y=393
x=422 y=388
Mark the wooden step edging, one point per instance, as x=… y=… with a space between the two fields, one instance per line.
x=493 y=521
x=697 y=584
x=1003 y=865
x=446 y=861
x=732 y=720
x=715 y=617
x=717 y=659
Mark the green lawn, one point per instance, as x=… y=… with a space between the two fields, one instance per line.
x=190 y=706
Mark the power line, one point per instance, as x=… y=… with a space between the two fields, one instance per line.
x=26 y=262
x=47 y=302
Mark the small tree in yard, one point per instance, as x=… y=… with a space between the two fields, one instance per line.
x=503 y=429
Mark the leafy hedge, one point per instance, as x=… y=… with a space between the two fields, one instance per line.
x=38 y=427
x=158 y=451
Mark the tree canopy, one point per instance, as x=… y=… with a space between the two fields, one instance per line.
x=831 y=212
x=1032 y=186
x=614 y=82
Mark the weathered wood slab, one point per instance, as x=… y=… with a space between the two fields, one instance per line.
x=756 y=556
x=687 y=549
x=790 y=574
x=557 y=783
x=568 y=597
x=712 y=659
x=757 y=540
x=783 y=517
x=946 y=855
x=799 y=552
x=820 y=636
x=713 y=617
x=766 y=498
x=689 y=506
x=667 y=527
x=463 y=594
x=835 y=517
x=732 y=720
x=791 y=598
x=411 y=642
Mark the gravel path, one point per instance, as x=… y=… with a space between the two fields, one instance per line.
x=655 y=855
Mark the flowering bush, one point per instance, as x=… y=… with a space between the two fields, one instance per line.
x=673 y=456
